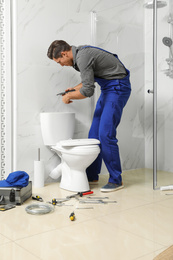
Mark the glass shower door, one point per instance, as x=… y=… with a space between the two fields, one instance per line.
x=165 y=96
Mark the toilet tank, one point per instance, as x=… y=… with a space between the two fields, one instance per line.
x=57 y=126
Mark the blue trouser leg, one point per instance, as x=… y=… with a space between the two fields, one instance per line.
x=106 y=119
x=94 y=169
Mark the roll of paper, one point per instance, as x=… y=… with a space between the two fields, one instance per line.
x=38 y=174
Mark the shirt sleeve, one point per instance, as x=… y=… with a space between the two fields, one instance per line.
x=86 y=67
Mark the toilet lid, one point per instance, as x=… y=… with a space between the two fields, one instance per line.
x=78 y=142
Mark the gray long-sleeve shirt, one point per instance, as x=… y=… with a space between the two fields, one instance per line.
x=93 y=62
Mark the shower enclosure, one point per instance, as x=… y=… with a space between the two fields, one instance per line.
x=162 y=60
x=158 y=82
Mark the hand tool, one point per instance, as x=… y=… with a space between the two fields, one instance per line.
x=37 y=197
x=92 y=202
x=58 y=202
x=96 y=201
x=84 y=208
x=85 y=193
x=63 y=204
x=97 y=198
x=65 y=92
x=72 y=216
x=6 y=207
x=54 y=202
x=80 y=194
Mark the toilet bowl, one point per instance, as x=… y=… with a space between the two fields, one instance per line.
x=76 y=155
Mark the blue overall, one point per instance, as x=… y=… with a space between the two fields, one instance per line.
x=107 y=116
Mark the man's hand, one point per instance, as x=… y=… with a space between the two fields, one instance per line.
x=69 y=89
x=66 y=99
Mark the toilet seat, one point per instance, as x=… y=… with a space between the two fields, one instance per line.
x=79 y=142
x=87 y=149
x=77 y=146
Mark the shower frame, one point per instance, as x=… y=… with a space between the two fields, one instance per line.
x=155 y=154
x=155 y=95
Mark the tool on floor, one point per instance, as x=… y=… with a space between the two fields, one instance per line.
x=85 y=193
x=63 y=204
x=85 y=208
x=95 y=201
x=6 y=207
x=72 y=216
x=54 y=202
x=65 y=92
x=97 y=198
x=169 y=187
x=37 y=197
x=79 y=194
x=92 y=202
x=59 y=202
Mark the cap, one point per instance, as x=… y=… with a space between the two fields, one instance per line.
x=16 y=179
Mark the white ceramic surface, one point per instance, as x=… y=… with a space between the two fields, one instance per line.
x=57 y=126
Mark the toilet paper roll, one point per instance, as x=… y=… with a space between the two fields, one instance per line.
x=38 y=174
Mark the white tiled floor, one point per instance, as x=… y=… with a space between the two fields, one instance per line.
x=138 y=226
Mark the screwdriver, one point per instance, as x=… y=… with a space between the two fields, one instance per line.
x=37 y=197
x=72 y=216
x=54 y=202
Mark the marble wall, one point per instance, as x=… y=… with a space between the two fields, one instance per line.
x=120 y=29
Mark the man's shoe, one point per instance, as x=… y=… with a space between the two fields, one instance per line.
x=111 y=187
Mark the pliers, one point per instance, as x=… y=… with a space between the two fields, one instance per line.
x=65 y=92
x=80 y=194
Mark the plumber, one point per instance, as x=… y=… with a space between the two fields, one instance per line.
x=103 y=67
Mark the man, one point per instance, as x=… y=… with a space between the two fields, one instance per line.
x=103 y=67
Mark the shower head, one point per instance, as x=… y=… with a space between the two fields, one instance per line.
x=167 y=41
x=150 y=5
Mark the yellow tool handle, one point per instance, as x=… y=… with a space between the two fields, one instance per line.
x=72 y=216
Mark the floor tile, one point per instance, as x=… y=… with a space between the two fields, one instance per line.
x=90 y=240
x=152 y=222
x=11 y=251
x=152 y=255
x=20 y=224
x=3 y=239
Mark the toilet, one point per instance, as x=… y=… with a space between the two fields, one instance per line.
x=76 y=154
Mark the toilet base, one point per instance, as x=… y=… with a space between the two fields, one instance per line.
x=76 y=181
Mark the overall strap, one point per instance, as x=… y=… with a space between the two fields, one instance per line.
x=98 y=49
